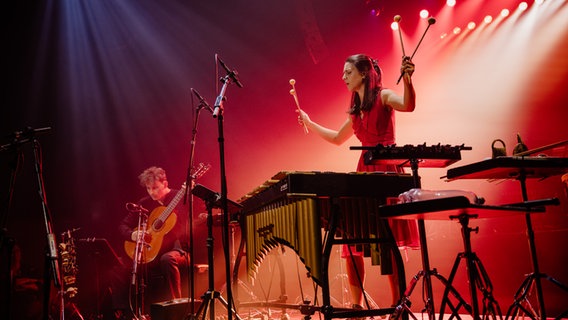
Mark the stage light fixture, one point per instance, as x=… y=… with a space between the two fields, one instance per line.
x=424 y=14
x=488 y=19
x=451 y=3
x=394 y=25
x=375 y=7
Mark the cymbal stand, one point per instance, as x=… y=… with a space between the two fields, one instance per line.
x=477 y=278
x=521 y=296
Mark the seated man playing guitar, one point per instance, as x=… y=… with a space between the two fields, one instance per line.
x=165 y=237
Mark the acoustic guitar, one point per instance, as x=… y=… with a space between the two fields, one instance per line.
x=161 y=221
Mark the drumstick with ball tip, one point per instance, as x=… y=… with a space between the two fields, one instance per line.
x=431 y=21
x=397 y=19
x=295 y=95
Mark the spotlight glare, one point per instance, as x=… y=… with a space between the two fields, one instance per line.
x=505 y=12
x=443 y=35
x=375 y=12
x=523 y=6
x=471 y=25
x=488 y=19
x=457 y=30
x=394 y=25
x=538 y=2
x=424 y=13
x=451 y=3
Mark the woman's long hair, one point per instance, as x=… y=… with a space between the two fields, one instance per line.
x=371 y=71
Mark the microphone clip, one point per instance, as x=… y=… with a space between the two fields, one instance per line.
x=231 y=74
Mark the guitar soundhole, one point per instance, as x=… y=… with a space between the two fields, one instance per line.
x=158 y=224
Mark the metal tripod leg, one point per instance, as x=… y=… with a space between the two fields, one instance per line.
x=208 y=305
x=477 y=276
x=209 y=297
x=522 y=302
x=404 y=305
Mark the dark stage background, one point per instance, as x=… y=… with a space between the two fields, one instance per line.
x=112 y=80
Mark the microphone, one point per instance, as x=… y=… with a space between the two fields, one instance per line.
x=233 y=74
x=201 y=100
x=133 y=207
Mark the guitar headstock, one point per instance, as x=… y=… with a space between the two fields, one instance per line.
x=200 y=170
x=197 y=172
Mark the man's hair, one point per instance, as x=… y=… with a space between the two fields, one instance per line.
x=151 y=175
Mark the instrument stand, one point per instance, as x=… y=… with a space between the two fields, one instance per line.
x=521 y=167
x=534 y=278
x=477 y=278
x=426 y=272
x=208 y=298
x=435 y=156
x=404 y=305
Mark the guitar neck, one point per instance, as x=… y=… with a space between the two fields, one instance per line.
x=171 y=206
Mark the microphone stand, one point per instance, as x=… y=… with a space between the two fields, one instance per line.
x=52 y=263
x=137 y=280
x=218 y=113
x=20 y=138
x=189 y=198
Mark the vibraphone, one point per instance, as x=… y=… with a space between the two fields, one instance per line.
x=292 y=208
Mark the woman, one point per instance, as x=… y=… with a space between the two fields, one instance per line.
x=371 y=119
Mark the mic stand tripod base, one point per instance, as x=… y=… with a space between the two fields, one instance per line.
x=208 y=305
x=211 y=199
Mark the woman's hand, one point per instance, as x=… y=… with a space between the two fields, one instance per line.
x=407 y=66
x=303 y=117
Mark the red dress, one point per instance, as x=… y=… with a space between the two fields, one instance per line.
x=371 y=128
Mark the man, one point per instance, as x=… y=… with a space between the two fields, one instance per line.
x=165 y=236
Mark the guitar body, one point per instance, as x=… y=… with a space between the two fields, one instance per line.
x=157 y=230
